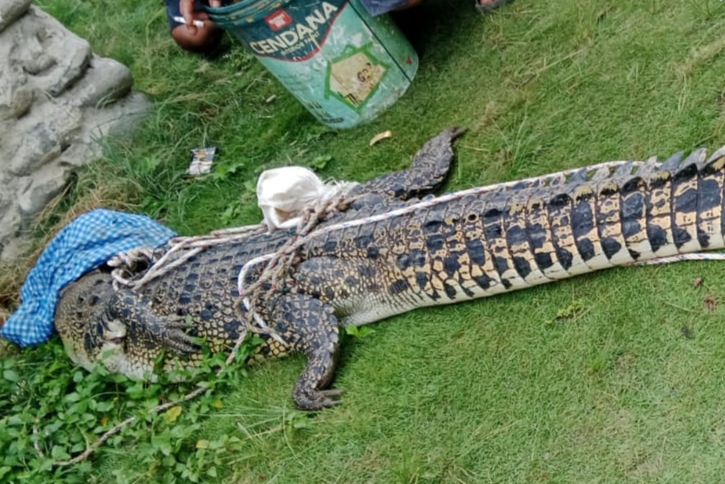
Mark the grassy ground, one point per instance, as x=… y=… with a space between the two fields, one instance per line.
x=610 y=377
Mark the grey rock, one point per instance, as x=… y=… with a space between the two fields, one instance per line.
x=11 y=10
x=124 y=119
x=43 y=48
x=16 y=247
x=44 y=186
x=10 y=224
x=58 y=102
x=105 y=81
x=39 y=138
x=19 y=105
x=5 y=204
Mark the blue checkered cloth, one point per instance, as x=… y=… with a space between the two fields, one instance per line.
x=84 y=244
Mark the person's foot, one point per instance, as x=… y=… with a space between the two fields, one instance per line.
x=490 y=5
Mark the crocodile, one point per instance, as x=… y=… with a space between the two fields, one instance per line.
x=397 y=248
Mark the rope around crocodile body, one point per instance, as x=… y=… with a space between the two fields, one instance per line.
x=278 y=262
x=244 y=292
x=285 y=258
x=125 y=263
x=272 y=257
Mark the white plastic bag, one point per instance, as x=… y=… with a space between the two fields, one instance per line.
x=284 y=193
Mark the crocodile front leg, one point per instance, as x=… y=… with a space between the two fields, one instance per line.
x=120 y=328
x=147 y=329
x=311 y=327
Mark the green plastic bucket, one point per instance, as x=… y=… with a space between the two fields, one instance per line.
x=343 y=65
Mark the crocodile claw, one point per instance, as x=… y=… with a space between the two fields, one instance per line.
x=172 y=335
x=177 y=340
x=318 y=399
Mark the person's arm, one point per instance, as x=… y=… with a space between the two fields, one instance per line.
x=187 y=11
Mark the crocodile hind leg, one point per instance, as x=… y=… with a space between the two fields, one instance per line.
x=426 y=174
x=310 y=326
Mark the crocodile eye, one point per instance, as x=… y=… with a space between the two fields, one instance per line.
x=472 y=217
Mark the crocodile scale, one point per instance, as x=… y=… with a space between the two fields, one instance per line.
x=442 y=250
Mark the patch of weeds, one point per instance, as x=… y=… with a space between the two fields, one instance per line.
x=358 y=331
x=687 y=332
x=53 y=411
x=230 y=213
x=603 y=359
x=599 y=362
x=705 y=9
x=408 y=469
x=320 y=162
x=570 y=313
x=223 y=172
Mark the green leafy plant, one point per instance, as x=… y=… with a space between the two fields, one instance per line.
x=359 y=331
x=54 y=412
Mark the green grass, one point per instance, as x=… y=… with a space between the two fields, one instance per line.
x=610 y=377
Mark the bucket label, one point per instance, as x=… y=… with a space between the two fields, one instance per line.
x=354 y=76
x=295 y=32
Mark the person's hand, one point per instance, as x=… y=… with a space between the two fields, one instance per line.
x=186 y=7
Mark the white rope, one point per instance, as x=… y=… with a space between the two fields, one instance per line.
x=196 y=244
x=680 y=258
x=423 y=205
x=126 y=262
x=455 y=196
